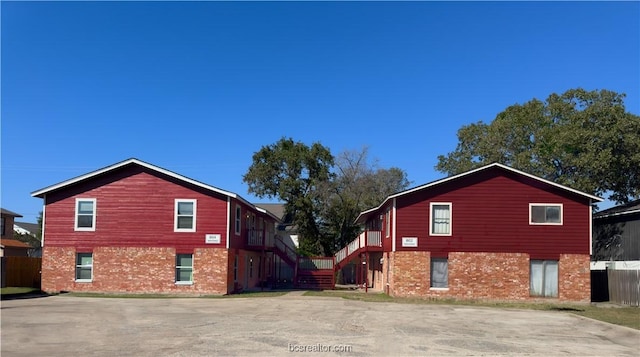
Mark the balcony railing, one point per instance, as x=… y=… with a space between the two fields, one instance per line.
x=315 y=263
x=258 y=238
x=365 y=239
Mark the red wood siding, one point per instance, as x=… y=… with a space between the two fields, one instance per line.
x=134 y=208
x=490 y=213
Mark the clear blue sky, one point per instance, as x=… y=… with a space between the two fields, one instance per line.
x=198 y=87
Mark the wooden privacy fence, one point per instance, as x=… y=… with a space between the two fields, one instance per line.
x=21 y=271
x=624 y=287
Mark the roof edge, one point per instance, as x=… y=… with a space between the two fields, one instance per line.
x=466 y=173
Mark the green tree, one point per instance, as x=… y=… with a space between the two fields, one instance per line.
x=292 y=172
x=358 y=184
x=583 y=139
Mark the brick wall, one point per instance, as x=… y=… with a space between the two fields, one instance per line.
x=499 y=276
x=135 y=270
x=574 y=277
x=410 y=273
x=58 y=269
x=485 y=276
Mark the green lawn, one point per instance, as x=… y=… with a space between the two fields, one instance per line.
x=247 y=294
x=17 y=290
x=625 y=316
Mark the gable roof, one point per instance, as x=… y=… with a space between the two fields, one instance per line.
x=14 y=243
x=6 y=212
x=277 y=209
x=471 y=172
x=627 y=208
x=30 y=228
x=133 y=161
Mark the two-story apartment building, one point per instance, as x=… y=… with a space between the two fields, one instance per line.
x=490 y=233
x=138 y=228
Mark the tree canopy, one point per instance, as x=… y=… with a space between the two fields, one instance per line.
x=583 y=139
x=322 y=194
x=292 y=171
x=358 y=184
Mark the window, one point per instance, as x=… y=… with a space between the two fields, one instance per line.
x=84 y=267
x=387 y=226
x=85 y=214
x=185 y=216
x=543 y=213
x=440 y=219
x=2 y=219
x=439 y=273
x=544 y=278
x=238 y=219
x=184 y=268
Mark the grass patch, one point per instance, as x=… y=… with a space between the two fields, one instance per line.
x=247 y=294
x=17 y=290
x=624 y=316
x=252 y=294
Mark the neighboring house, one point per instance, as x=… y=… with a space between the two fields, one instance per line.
x=616 y=237
x=284 y=271
x=9 y=246
x=491 y=233
x=28 y=233
x=135 y=227
x=31 y=229
x=7 y=219
x=14 y=248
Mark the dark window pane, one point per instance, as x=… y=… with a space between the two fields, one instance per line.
x=184 y=260
x=553 y=214
x=85 y=207
x=83 y=273
x=184 y=274
x=85 y=221
x=185 y=208
x=185 y=222
x=538 y=214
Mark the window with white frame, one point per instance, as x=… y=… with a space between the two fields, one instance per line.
x=545 y=213
x=238 y=219
x=439 y=273
x=185 y=215
x=184 y=268
x=85 y=214
x=84 y=267
x=440 y=219
x=544 y=278
x=387 y=225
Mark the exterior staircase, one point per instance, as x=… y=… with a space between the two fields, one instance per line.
x=320 y=272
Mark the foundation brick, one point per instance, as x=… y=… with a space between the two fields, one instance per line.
x=135 y=270
x=485 y=276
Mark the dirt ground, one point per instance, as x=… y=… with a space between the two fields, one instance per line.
x=293 y=324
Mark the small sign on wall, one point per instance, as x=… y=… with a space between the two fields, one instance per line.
x=212 y=238
x=409 y=241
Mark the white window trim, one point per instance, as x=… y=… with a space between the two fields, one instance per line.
x=76 y=213
x=237 y=223
x=175 y=214
x=547 y=223
x=83 y=266
x=387 y=223
x=431 y=219
x=180 y=266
